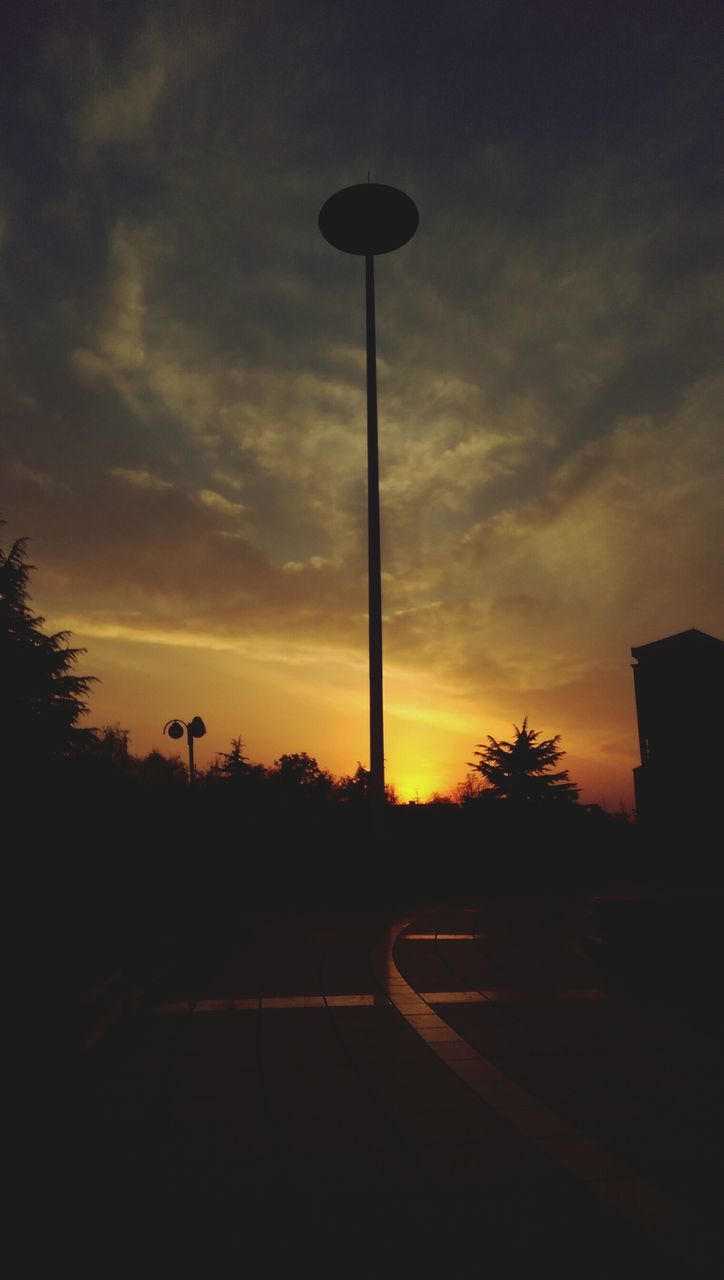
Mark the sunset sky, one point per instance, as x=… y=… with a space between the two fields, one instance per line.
x=182 y=365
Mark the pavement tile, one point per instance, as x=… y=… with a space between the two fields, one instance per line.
x=231 y=1004
x=639 y=1201
x=476 y=1065
x=292 y=1002
x=584 y=1158
x=508 y=1094
x=535 y=1121
x=352 y=1002
x=438 y=1035
x=452 y=997
x=456 y=1051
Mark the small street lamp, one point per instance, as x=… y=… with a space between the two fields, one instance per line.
x=195 y=729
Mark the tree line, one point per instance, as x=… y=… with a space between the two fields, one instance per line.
x=44 y=699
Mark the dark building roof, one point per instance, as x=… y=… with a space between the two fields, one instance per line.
x=682 y=645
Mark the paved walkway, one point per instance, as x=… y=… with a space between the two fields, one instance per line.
x=292 y=1102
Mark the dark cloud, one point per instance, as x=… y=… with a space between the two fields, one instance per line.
x=182 y=355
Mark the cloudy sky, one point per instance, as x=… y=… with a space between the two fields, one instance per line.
x=182 y=364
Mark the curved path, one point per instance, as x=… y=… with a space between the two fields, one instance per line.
x=286 y=1099
x=681 y=1232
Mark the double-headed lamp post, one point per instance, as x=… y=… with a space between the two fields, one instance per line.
x=366 y=220
x=194 y=729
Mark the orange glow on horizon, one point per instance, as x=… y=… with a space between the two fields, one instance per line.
x=285 y=699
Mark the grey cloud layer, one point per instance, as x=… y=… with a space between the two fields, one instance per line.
x=185 y=378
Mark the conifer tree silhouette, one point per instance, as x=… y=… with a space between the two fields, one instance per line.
x=41 y=697
x=519 y=771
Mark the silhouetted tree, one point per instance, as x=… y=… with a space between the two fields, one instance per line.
x=299 y=775
x=109 y=744
x=519 y=771
x=233 y=764
x=470 y=791
x=354 y=787
x=233 y=775
x=100 y=757
x=158 y=770
x=41 y=698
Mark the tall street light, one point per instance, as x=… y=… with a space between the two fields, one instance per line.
x=366 y=220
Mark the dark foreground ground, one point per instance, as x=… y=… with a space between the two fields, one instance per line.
x=273 y=1098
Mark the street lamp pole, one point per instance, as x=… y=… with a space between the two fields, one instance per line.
x=374 y=551
x=194 y=729
x=366 y=220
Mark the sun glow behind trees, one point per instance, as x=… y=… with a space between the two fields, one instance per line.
x=312 y=704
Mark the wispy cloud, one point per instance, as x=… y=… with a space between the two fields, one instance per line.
x=221 y=505
x=185 y=371
x=140 y=479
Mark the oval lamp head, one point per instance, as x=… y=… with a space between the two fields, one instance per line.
x=368 y=218
x=197 y=728
x=175 y=729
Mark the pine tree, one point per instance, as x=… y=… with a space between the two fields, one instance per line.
x=519 y=771
x=233 y=764
x=41 y=698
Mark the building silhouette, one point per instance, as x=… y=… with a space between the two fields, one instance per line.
x=679 y=687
